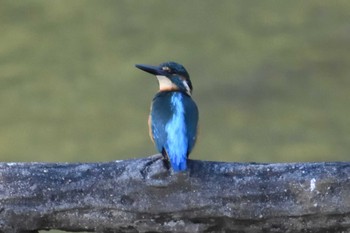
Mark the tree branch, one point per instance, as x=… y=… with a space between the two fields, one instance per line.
x=141 y=195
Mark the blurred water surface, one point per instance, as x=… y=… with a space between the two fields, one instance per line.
x=271 y=78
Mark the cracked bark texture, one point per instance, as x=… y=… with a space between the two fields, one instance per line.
x=141 y=195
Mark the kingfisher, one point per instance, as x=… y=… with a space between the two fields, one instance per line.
x=173 y=119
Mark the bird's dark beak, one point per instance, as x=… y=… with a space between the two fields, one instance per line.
x=151 y=69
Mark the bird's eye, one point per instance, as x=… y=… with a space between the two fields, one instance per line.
x=165 y=68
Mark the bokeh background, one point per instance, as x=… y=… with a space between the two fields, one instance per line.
x=271 y=78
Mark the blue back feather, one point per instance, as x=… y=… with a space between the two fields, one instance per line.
x=177 y=142
x=174 y=126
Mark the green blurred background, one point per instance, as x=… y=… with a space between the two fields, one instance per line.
x=271 y=78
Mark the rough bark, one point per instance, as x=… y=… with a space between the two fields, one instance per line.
x=141 y=195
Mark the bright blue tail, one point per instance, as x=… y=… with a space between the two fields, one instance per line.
x=178 y=163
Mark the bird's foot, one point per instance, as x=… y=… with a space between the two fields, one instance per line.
x=155 y=168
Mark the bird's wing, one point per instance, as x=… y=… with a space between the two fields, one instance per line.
x=191 y=119
x=161 y=114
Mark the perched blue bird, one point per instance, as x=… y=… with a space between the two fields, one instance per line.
x=173 y=119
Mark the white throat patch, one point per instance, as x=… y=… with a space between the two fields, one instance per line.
x=165 y=84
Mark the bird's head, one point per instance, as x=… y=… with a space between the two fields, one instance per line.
x=171 y=76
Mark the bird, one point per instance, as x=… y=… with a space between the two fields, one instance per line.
x=173 y=118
